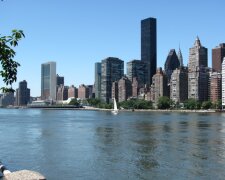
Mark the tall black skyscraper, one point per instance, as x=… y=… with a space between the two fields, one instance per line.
x=148 y=46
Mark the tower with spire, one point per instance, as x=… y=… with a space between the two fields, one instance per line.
x=180 y=57
x=198 y=72
x=172 y=62
x=198 y=56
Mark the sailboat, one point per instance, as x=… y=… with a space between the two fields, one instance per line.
x=115 y=110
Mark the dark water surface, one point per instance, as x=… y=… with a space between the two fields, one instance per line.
x=68 y=144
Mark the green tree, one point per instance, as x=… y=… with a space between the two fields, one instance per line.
x=129 y=104
x=163 y=102
x=136 y=104
x=142 y=104
x=192 y=104
x=7 y=54
x=74 y=102
x=206 y=105
x=105 y=105
x=94 y=102
x=172 y=104
x=217 y=104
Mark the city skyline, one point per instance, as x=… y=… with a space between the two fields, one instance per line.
x=84 y=33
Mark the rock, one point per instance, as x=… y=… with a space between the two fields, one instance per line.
x=24 y=175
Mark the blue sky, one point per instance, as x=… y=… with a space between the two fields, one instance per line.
x=77 y=33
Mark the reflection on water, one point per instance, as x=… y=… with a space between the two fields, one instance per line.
x=97 y=145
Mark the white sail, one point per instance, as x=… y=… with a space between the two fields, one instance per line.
x=115 y=110
x=115 y=105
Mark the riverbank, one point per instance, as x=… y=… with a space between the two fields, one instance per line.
x=154 y=110
x=89 y=108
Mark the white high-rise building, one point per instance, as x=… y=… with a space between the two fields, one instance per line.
x=48 y=81
x=198 y=72
x=223 y=82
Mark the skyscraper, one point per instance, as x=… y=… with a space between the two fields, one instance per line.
x=218 y=53
x=215 y=86
x=178 y=85
x=72 y=92
x=59 y=80
x=198 y=56
x=98 y=80
x=180 y=57
x=22 y=94
x=115 y=90
x=159 y=86
x=124 y=89
x=7 y=99
x=90 y=91
x=135 y=88
x=197 y=72
x=112 y=69
x=62 y=92
x=138 y=69
x=48 y=81
x=149 y=47
x=83 y=92
x=171 y=63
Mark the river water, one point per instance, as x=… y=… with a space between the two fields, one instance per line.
x=73 y=144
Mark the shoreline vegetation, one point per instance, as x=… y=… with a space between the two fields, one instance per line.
x=164 y=104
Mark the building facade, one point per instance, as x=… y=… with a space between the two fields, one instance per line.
x=90 y=91
x=135 y=88
x=138 y=69
x=198 y=75
x=98 y=80
x=159 y=86
x=83 y=92
x=215 y=86
x=172 y=62
x=124 y=89
x=22 y=94
x=48 y=81
x=115 y=91
x=218 y=53
x=72 y=92
x=59 y=80
x=7 y=99
x=62 y=93
x=179 y=85
x=223 y=82
x=198 y=84
x=198 y=56
x=112 y=69
x=149 y=47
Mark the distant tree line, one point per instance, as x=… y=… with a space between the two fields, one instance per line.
x=163 y=103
